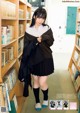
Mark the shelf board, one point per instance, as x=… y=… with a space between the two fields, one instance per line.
x=78 y=68
x=78 y=34
x=4 y=45
x=76 y=86
x=19 y=55
x=21 y=36
x=29 y=19
x=0 y=80
x=28 y=4
x=78 y=48
x=78 y=21
x=12 y=92
x=73 y=80
x=22 y=2
x=22 y=19
x=78 y=8
x=6 y=68
x=70 y=71
x=78 y=82
x=21 y=100
x=9 y=18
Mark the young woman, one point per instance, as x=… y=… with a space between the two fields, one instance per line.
x=37 y=57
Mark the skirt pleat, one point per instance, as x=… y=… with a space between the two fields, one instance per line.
x=44 y=68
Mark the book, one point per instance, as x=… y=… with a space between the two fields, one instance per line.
x=11 y=52
x=77 y=73
x=8 y=9
x=78 y=41
x=21 y=45
x=27 y=25
x=78 y=27
x=79 y=94
x=7 y=98
x=78 y=16
x=28 y=15
x=5 y=58
x=73 y=68
x=72 y=77
x=15 y=102
x=11 y=32
x=7 y=33
x=76 y=86
x=1 y=96
x=21 y=13
x=10 y=79
x=4 y=35
x=78 y=63
x=78 y=81
x=21 y=29
x=13 y=76
x=7 y=55
x=13 y=109
x=76 y=56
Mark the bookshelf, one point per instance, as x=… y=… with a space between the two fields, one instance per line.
x=74 y=64
x=14 y=17
x=0 y=49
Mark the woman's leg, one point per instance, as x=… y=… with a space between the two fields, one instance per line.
x=36 y=88
x=36 y=92
x=43 y=82
x=44 y=88
x=35 y=81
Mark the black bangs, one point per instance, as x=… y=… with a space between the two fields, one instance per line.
x=40 y=13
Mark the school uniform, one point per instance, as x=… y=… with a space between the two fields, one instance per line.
x=37 y=57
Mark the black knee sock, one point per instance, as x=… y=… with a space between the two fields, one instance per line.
x=36 y=94
x=45 y=93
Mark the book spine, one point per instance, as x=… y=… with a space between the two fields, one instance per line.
x=7 y=97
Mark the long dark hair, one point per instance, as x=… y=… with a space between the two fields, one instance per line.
x=39 y=13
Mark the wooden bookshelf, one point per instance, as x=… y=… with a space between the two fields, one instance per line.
x=16 y=17
x=20 y=101
x=0 y=48
x=75 y=58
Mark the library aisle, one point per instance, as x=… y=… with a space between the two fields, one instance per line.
x=60 y=88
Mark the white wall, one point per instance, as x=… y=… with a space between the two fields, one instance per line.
x=57 y=15
x=63 y=45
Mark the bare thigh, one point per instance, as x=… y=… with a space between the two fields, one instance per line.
x=43 y=82
x=35 y=81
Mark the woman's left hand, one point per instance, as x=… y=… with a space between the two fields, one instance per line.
x=39 y=39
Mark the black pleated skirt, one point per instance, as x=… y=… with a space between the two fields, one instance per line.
x=44 y=68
